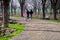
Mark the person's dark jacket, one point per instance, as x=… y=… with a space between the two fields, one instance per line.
x=31 y=12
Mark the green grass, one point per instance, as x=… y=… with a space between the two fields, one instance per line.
x=51 y=20
x=14 y=26
x=16 y=16
x=57 y=21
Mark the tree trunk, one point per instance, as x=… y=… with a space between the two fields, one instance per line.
x=5 y=13
x=53 y=6
x=22 y=2
x=14 y=11
x=21 y=10
x=11 y=11
x=35 y=10
x=55 y=13
x=38 y=11
x=43 y=9
x=35 y=4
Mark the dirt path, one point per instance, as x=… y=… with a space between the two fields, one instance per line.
x=39 y=30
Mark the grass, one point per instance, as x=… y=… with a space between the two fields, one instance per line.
x=16 y=16
x=14 y=26
x=57 y=21
x=50 y=20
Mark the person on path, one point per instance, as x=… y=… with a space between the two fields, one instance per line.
x=29 y=8
x=29 y=13
x=25 y=16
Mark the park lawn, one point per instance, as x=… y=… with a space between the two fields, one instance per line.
x=16 y=16
x=56 y=21
x=14 y=26
x=50 y=20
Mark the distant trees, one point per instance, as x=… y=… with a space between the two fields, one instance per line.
x=54 y=7
x=0 y=7
x=22 y=2
x=39 y=9
x=35 y=6
x=13 y=6
x=58 y=4
x=43 y=8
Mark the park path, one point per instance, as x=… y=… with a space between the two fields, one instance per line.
x=39 y=30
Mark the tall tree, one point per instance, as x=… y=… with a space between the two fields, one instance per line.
x=13 y=7
x=53 y=6
x=1 y=6
x=43 y=8
x=58 y=5
x=35 y=6
x=5 y=12
x=22 y=2
x=39 y=9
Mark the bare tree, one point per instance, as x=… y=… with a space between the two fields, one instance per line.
x=39 y=9
x=5 y=12
x=35 y=6
x=53 y=6
x=58 y=6
x=22 y=2
x=13 y=7
x=43 y=8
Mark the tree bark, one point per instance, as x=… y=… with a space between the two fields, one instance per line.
x=5 y=12
x=14 y=11
x=43 y=8
x=38 y=11
x=21 y=10
x=35 y=8
x=22 y=2
x=55 y=13
x=43 y=11
x=53 y=6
